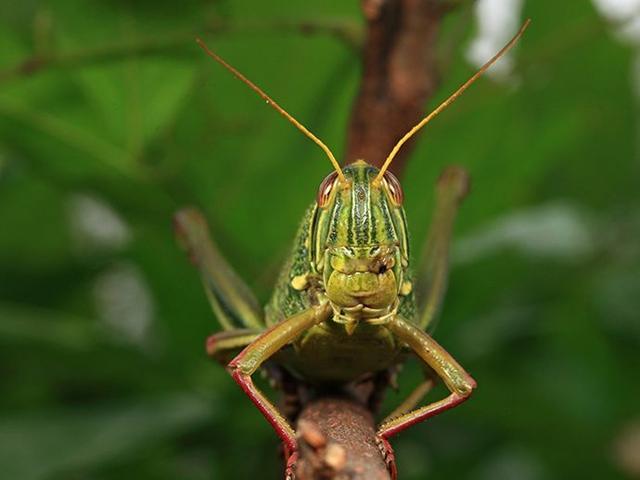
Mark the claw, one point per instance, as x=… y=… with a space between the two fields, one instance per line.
x=290 y=470
x=388 y=456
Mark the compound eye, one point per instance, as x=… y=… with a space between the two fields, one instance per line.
x=326 y=187
x=394 y=188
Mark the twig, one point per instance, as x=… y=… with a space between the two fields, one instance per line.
x=177 y=43
x=337 y=436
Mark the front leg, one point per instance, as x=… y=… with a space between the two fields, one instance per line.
x=459 y=382
x=259 y=351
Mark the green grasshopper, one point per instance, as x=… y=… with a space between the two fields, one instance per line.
x=344 y=304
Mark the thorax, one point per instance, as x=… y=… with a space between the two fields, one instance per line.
x=327 y=354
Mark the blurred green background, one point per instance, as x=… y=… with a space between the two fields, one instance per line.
x=123 y=120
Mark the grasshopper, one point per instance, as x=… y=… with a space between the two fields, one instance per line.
x=346 y=303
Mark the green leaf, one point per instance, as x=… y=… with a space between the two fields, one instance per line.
x=47 y=443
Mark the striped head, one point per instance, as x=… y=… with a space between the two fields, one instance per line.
x=359 y=244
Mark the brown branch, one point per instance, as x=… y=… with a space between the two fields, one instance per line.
x=337 y=441
x=337 y=435
x=399 y=76
x=175 y=43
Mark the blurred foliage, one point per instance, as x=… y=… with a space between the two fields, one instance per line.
x=102 y=321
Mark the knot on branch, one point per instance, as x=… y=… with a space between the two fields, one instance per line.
x=337 y=441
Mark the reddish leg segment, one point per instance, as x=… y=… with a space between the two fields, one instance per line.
x=440 y=361
x=412 y=401
x=260 y=350
x=388 y=456
x=391 y=427
x=270 y=412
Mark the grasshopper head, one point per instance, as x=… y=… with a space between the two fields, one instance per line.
x=359 y=243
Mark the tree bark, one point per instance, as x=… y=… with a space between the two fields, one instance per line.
x=337 y=441
x=399 y=75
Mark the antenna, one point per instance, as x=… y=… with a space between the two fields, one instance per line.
x=275 y=106
x=451 y=99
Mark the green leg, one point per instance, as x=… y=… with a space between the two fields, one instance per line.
x=225 y=345
x=452 y=187
x=441 y=362
x=412 y=401
x=259 y=351
x=232 y=301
